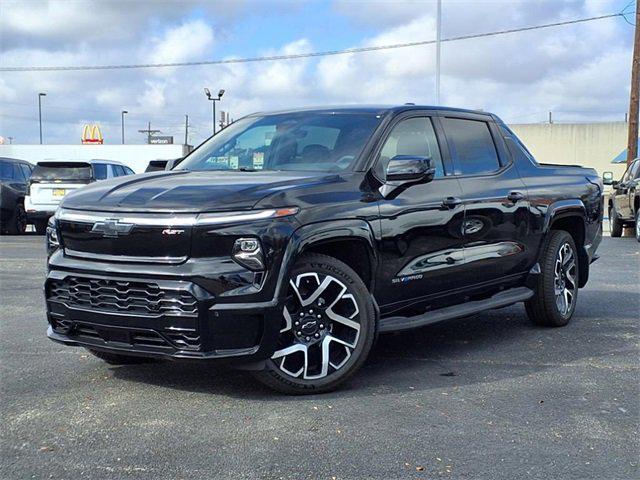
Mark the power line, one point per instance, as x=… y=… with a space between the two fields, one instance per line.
x=306 y=55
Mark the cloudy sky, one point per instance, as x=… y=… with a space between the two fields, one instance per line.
x=580 y=72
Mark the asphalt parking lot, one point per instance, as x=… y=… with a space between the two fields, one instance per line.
x=489 y=396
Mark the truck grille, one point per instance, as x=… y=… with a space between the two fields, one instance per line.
x=122 y=297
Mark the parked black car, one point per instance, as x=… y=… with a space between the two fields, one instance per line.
x=14 y=180
x=156 y=165
x=624 y=201
x=287 y=241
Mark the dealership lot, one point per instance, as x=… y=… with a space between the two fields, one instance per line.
x=483 y=397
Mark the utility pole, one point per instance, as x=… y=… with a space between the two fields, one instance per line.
x=186 y=129
x=40 y=95
x=632 y=140
x=438 y=38
x=10 y=140
x=550 y=118
x=123 y=113
x=149 y=132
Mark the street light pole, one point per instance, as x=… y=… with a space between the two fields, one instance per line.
x=438 y=38
x=213 y=115
x=40 y=95
x=122 y=114
x=213 y=100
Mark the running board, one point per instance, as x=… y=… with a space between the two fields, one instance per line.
x=499 y=300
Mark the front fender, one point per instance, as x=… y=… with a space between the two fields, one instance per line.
x=314 y=233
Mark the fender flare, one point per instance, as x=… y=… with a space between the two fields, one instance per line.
x=565 y=209
x=562 y=209
x=321 y=232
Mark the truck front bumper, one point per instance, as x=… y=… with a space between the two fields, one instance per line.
x=152 y=316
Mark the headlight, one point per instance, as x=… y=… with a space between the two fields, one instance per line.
x=52 y=236
x=248 y=253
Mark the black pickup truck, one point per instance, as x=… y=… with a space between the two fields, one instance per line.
x=289 y=240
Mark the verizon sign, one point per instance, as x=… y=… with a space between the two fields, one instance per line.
x=161 y=140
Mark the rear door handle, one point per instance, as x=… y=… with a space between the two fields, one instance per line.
x=451 y=202
x=515 y=196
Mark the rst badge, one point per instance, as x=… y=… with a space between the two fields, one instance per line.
x=112 y=228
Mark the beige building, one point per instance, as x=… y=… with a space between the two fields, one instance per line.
x=588 y=144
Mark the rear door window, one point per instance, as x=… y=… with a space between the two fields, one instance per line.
x=25 y=170
x=100 y=171
x=471 y=146
x=18 y=174
x=62 y=172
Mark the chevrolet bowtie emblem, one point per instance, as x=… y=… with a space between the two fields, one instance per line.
x=112 y=228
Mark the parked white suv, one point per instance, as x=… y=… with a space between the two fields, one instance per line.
x=51 y=180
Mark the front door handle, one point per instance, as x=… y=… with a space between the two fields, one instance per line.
x=451 y=202
x=515 y=196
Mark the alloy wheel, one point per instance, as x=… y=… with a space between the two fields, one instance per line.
x=565 y=284
x=320 y=327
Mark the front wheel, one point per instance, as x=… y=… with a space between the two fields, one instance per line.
x=557 y=286
x=328 y=328
x=17 y=224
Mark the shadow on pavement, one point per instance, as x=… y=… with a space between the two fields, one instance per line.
x=484 y=348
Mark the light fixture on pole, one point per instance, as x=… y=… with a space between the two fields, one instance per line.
x=40 y=95
x=213 y=101
x=122 y=114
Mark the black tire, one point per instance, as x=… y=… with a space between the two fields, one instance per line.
x=118 y=359
x=349 y=317
x=41 y=226
x=543 y=309
x=17 y=224
x=615 y=222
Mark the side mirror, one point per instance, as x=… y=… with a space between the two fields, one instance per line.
x=404 y=171
x=607 y=178
x=409 y=168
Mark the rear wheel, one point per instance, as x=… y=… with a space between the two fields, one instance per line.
x=328 y=328
x=557 y=288
x=118 y=359
x=615 y=223
x=41 y=226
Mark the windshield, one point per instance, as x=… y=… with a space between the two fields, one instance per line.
x=293 y=141
x=67 y=171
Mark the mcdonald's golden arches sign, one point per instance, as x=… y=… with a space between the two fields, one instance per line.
x=92 y=134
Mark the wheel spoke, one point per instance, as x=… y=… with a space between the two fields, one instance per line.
x=560 y=303
x=287 y=319
x=285 y=352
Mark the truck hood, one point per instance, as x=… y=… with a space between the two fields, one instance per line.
x=188 y=192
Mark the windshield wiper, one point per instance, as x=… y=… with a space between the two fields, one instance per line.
x=246 y=169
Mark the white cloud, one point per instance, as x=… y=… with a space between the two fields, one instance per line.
x=191 y=40
x=580 y=72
